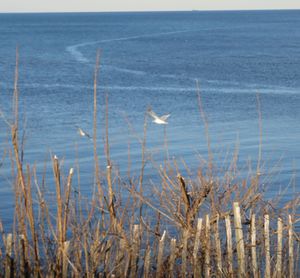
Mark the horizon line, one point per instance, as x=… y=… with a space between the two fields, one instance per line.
x=153 y=11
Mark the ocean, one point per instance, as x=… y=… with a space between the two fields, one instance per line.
x=154 y=59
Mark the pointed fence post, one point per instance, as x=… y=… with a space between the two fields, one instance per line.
x=196 y=265
x=65 y=258
x=218 y=247
x=207 y=248
x=161 y=246
x=185 y=237
x=239 y=240
x=253 y=247
x=8 y=250
x=267 y=246
x=278 y=270
x=291 y=248
x=121 y=257
x=135 y=251
x=229 y=246
x=23 y=263
x=147 y=262
x=172 y=258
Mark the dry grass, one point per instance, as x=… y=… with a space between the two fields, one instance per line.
x=186 y=229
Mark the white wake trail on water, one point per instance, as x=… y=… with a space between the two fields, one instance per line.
x=110 y=88
x=249 y=89
x=73 y=50
x=78 y=55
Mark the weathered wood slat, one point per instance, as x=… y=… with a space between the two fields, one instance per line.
x=196 y=264
x=172 y=258
x=267 y=245
x=239 y=240
x=229 y=246
x=135 y=250
x=8 y=252
x=291 y=248
x=66 y=246
x=185 y=237
x=160 y=254
x=147 y=262
x=278 y=268
x=207 y=265
x=253 y=247
x=218 y=247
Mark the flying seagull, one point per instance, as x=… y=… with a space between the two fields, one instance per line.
x=162 y=120
x=82 y=133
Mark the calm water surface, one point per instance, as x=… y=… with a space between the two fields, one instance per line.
x=153 y=59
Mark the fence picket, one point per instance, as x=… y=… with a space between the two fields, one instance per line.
x=147 y=262
x=8 y=251
x=239 y=240
x=253 y=247
x=267 y=246
x=291 y=248
x=65 y=258
x=207 y=248
x=278 y=268
x=218 y=247
x=161 y=246
x=196 y=265
x=172 y=257
x=185 y=237
x=229 y=246
x=135 y=250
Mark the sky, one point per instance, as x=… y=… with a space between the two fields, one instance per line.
x=141 y=5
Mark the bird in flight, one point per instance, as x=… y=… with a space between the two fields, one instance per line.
x=162 y=120
x=82 y=133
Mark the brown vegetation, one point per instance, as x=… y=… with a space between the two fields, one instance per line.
x=194 y=226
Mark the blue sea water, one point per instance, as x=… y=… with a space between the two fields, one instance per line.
x=154 y=59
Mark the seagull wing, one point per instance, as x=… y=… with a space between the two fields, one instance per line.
x=87 y=135
x=83 y=133
x=165 y=117
x=152 y=114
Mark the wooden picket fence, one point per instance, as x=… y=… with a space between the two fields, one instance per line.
x=219 y=247
x=242 y=255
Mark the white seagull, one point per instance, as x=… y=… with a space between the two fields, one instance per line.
x=82 y=133
x=162 y=120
